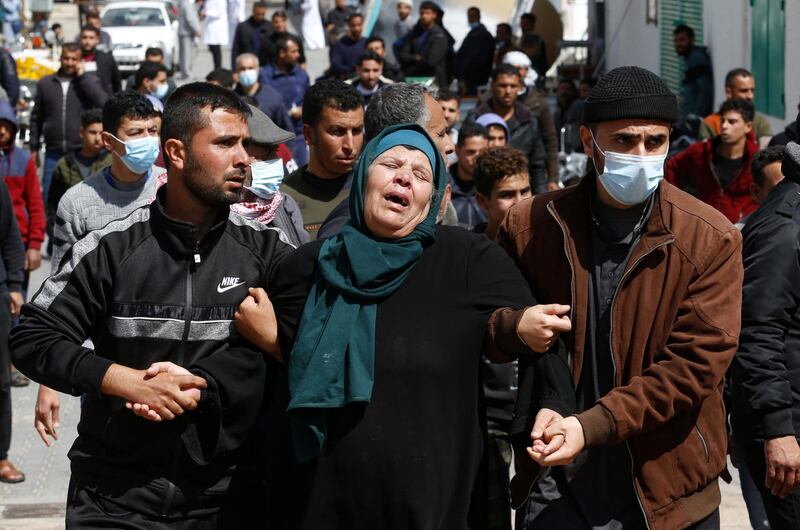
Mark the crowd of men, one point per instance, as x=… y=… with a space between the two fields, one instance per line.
x=677 y=273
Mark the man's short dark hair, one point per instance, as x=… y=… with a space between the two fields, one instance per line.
x=353 y=15
x=93 y=14
x=90 y=116
x=154 y=52
x=71 y=47
x=370 y=55
x=329 y=94
x=55 y=26
x=505 y=26
x=375 y=38
x=763 y=158
x=504 y=69
x=282 y=44
x=427 y=4
x=528 y=16
x=261 y=4
x=736 y=72
x=448 y=95
x=148 y=70
x=475 y=10
x=686 y=30
x=471 y=130
x=279 y=14
x=742 y=106
x=126 y=104
x=89 y=27
x=183 y=111
x=223 y=76
x=497 y=163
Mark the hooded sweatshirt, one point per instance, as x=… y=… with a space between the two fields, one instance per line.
x=19 y=172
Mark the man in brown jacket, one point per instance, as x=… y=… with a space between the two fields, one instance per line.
x=654 y=280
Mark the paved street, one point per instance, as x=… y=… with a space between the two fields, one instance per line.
x=38 y=503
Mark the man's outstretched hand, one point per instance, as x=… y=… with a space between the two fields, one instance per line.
x=541 y=325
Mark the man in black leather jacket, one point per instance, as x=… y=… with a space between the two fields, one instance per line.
x=766 y=371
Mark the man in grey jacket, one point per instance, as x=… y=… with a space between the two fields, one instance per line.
x=189 y=29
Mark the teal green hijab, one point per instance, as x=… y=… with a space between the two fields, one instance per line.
x=332 y=362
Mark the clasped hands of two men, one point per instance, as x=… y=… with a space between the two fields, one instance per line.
x=165 y=390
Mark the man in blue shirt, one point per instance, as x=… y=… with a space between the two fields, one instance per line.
x=291 y=82
x=264 y=96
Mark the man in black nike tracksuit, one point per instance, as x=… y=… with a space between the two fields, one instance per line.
x=161 y=284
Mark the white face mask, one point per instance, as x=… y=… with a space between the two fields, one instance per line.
x=631 y=179
x=267 y=178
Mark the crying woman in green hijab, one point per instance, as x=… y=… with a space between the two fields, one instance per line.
x=382 y=328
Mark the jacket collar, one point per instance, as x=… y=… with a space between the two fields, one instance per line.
x=521 y=113
x=573 y=207
x=179 y=237
x=570 y=209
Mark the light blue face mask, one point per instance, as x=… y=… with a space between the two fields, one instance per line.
x=161 y=91
x=267 y=178
x=248 y=78
x=474 y=25
x=631 y=179
x=140 y=154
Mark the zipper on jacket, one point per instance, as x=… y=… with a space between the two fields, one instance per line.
x=64 y=117
x=614 y=363
x=187 y=323
x=571 y=273
x=703 y=441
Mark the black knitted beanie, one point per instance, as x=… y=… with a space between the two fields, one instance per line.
x=630 y=92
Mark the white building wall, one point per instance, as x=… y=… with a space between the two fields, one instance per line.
x=629 y=41
x=792 y=72
x=726 y=33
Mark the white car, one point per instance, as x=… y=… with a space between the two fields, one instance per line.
x=135 y=26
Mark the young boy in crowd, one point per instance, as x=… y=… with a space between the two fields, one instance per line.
x=501 y=178
x=497 y=127
x=80 y=164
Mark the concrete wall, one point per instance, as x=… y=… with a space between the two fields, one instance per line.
x=792 y=73
x=629 y=41
x=726 y=33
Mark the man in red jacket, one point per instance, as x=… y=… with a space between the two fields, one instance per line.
x=19 y=170
x=717 y=170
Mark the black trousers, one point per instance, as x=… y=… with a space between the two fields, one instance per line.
x=781 y=513
x=5 y=377
x=86 y=510
x=216 y=55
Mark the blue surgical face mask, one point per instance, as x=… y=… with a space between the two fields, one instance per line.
x=248 y=78
x=631 y=179
x=474 y=25
x=267 y=178
x=140 y=154
x=161 y=91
